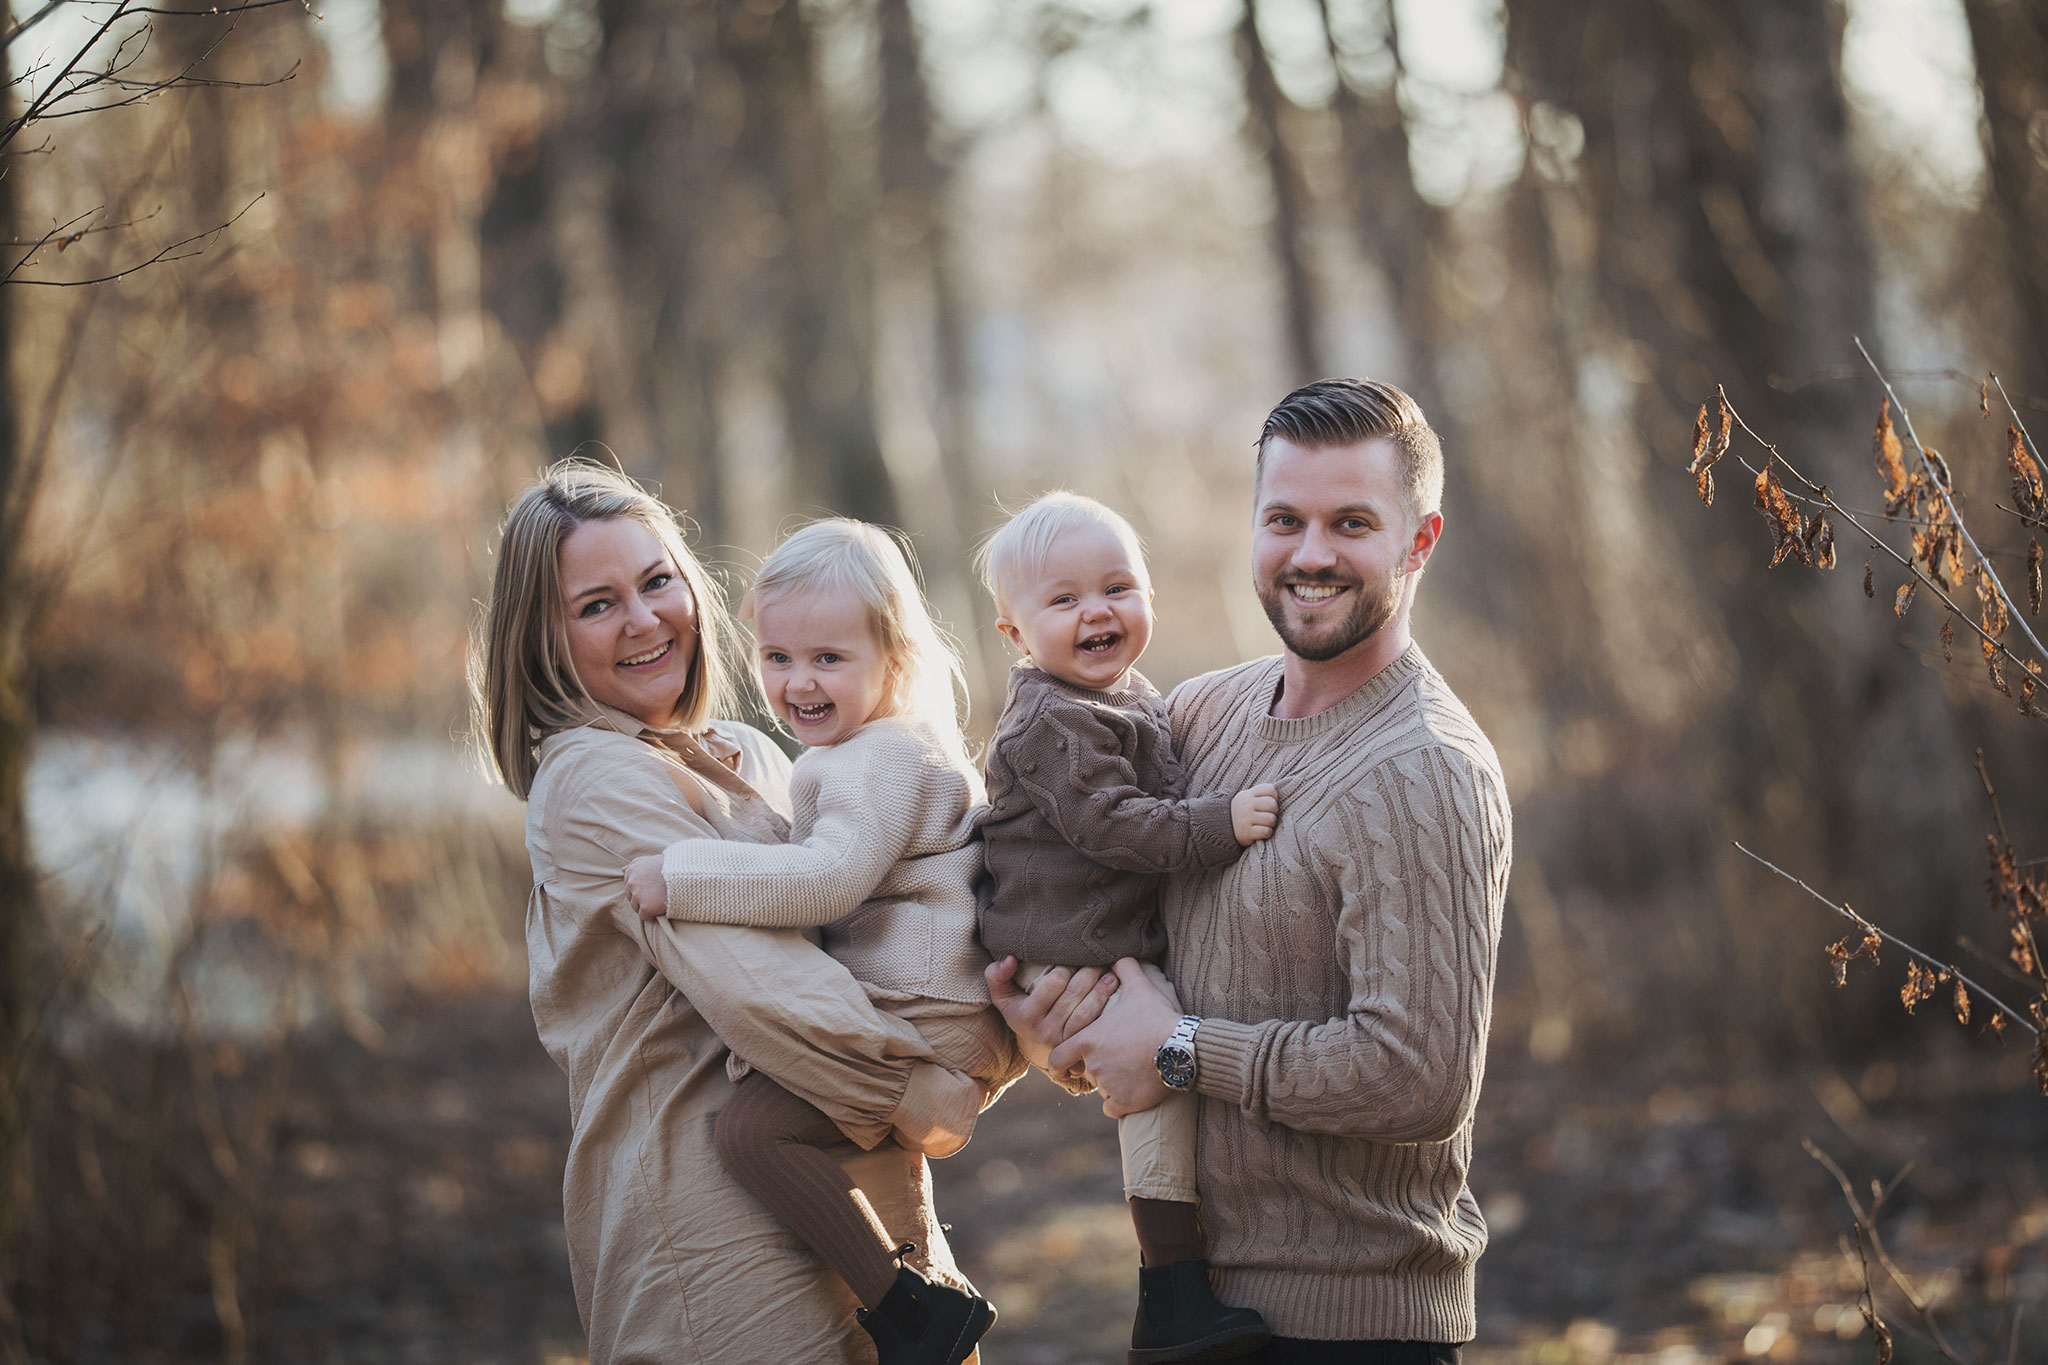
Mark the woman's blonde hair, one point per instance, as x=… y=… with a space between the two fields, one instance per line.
x=926 y=678
x=522 y=683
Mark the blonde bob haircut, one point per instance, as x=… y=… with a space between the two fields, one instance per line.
x=926 y=679
x=522 y=682
x=1021 y=547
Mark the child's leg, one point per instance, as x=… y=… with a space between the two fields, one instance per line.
x=1159 y=1167
x=772 y=1143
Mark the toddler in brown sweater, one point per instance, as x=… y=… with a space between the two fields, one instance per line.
x=1088 y=807
x=882 y=858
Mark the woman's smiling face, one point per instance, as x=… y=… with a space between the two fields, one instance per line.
x=631 y=619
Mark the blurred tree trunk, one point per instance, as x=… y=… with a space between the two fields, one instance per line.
x=17 y=878
x=1390 y=218
x=1726 y=242
x=916 y=249
x=822 y=277
x=652 y=83
x=2010 y=41
x=1266 y=109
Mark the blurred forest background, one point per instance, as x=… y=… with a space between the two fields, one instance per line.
x=271 y=1090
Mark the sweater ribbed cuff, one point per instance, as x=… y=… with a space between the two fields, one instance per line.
x=1224 y=1053
x=1214 y=833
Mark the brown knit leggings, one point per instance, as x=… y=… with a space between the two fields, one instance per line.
x=773 y=1143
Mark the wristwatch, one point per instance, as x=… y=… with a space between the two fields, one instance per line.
x=1176 y=1056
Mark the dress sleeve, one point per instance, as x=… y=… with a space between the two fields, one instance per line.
x=868 y=791
x=1403 y=1063
x=772 y=996
x=1075 y=773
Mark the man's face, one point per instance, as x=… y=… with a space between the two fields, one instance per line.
x=1332 y=543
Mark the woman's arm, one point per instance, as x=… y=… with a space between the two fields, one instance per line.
x=773 y=997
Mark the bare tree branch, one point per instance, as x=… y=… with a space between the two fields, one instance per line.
x=198 y=241
x=1893 y=939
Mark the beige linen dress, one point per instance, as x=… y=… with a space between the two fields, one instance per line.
x=672 y=1261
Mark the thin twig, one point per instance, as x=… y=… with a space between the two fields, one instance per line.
x=1866 y=1226
x=2012 y=607
x=2020 y=925
x=162 y=257
x=1897 y=942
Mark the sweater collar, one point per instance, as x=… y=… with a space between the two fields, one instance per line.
x=1024 y=674
x=1374 y=693
x=685 y=744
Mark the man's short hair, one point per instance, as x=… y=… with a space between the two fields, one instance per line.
x=1343 y=412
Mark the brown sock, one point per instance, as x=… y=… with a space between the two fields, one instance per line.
x=771 y=1141
x=1167 y=1231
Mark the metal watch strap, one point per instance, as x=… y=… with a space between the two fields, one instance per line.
x=1176 y=1056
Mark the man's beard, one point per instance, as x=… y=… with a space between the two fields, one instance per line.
x=1369 y=611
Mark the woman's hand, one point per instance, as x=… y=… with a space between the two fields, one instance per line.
x=1059 y=1004
x=646 y=887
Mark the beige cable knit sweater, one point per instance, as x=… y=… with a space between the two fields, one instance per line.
x=1344 y=970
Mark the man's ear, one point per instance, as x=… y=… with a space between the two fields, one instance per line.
x=1011 y=633
x=1424 y=543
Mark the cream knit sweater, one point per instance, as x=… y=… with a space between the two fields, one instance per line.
x=1344 y=970
x=881 y=854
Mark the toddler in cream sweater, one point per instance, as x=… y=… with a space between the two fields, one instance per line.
x=882 y=858
x=1088 y=807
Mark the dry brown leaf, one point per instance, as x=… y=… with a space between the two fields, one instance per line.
x=1948 y=640
x=1903 y=598
x=1891 y=456
x=1869 y=588
x=1920 y=984
x=2041 y=1060
x=1962 y=1004
x=1817 y=546
x=2033 y=577
x=2028 y=495
x=1939 y=466
x=1997 y=672
x=1788 y=528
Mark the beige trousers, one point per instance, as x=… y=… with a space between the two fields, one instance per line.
x=1159 y=1143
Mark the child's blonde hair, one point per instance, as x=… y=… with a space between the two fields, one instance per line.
x=926 y=678
x=1019 y=548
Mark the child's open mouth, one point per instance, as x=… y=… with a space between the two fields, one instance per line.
x=812 y=714
x=1101 y=644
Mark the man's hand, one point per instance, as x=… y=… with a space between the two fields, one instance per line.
x=1059 y=1004
x=646 y=887
x=1253 y=813
x=1116 y=1052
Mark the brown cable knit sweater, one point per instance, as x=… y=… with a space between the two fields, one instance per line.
x=1344 y=969
x=1086 y=809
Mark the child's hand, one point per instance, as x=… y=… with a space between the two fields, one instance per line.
x=644 y=883
x=1253 y=813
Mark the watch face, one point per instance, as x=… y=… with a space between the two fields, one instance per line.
x=1176 y=1065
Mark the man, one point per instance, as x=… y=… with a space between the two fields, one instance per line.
x=1339 y=976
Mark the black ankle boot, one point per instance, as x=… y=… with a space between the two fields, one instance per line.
x=921 y=1323
x=1180 y=1319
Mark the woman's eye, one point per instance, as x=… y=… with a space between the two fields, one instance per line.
x=659 y=581
x=592 y=608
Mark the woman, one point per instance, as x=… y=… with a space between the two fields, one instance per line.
x=602 y=662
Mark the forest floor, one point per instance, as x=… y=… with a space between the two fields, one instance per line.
x=412 y=1212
